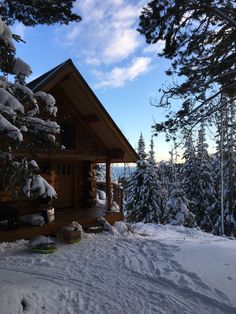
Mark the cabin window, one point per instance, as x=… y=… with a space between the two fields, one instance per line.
x=45 y=168
x=63 y=169
x=68 y=135
x=59 y=169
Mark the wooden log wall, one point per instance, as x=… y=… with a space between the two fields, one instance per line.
x=85 y=185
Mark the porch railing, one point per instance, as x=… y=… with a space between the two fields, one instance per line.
x=117 y=192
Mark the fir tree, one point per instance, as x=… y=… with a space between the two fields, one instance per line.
x=135 y=190
x=141 y=149
x=205 y=201
x=164 y=170
x=22 y=128
x=230 y=171
x=155 y=196
x=189 y=171
x=100 y=172
x=226 y=154
x=144 y=199
x=177 y=209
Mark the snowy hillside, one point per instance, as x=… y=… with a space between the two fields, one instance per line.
x=154 y=269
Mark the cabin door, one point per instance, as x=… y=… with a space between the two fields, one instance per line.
x=64 y=184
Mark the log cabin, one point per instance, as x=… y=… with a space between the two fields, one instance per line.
x=90 y=136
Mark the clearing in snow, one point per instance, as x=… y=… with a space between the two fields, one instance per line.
x=153 y=269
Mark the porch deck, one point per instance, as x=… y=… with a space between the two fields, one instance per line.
x=85 y=217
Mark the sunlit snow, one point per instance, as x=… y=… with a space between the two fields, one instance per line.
x=144 y=269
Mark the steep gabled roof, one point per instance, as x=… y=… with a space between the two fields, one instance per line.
x=67 y=76
x=38 y=82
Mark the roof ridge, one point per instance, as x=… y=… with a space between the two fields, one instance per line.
x=42 y=78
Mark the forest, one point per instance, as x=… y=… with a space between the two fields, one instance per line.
x=200 y=191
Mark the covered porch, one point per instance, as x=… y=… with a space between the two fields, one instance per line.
x=85 y=217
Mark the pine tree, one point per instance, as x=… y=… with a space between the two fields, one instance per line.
x=135 y=190
x=164 y=170
x=100 y=172
x=177 y=209
x=144 y=201
x=226 y=154
x=22 y=128
x=205 y=201
x=199 y=41
x=230 y=171
x=32 y=12
x=141 y=150
x=189 y=171
x=155 y=196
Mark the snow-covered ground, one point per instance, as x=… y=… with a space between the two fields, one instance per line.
x=154 y=269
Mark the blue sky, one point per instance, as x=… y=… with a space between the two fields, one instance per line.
x=123 y=71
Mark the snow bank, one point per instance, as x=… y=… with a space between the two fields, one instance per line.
x=170 y=232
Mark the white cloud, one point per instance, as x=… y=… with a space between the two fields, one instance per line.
x=122 y=45
x=120 y=75
x=155 y=48
x=107 y=40
x=72 y=35
x=93 y=61
x=107 y=31
x=125 y=16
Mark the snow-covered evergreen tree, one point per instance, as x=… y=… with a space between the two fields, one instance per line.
x=25 y=124
x=226 y=154
x=164 y=170
x=177 y=209
x=189 y=171
x=172 y=169
x=230 y=172
x=100 y=172
x=155 y=193
x=144 y=200
x=135 y=190
x=205 y=197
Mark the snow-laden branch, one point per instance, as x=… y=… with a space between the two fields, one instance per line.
x=20 y=114
x=38 y=186
x=7 y=128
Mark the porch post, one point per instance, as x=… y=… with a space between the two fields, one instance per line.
x=108 y=184
x=121 y=200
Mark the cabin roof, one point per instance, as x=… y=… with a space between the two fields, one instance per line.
x=66 y=77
